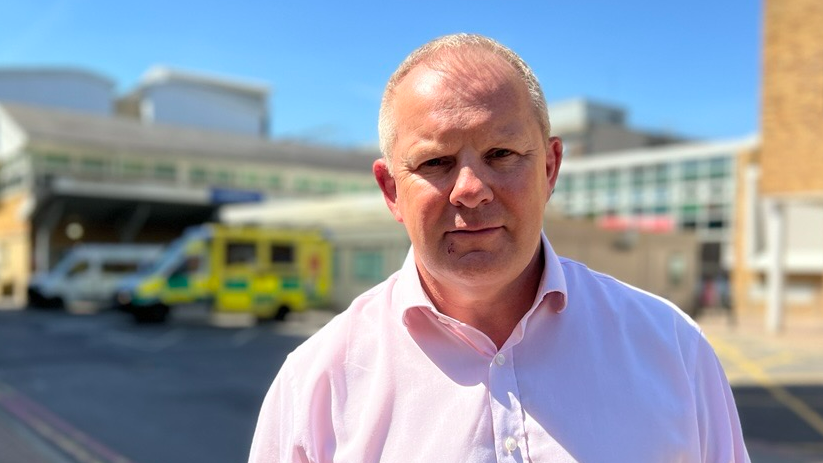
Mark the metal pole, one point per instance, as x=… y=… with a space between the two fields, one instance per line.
x=776 y=236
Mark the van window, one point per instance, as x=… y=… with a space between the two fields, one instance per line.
x=282 y=254
x=240 y=253
x=119 y=267
x=189 y=266
x=78 y=268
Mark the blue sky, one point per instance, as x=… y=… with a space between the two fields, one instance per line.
x=691 y=68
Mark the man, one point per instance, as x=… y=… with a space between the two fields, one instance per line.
x=486 y=346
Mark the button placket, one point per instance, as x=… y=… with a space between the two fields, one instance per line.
x=507 y=417
x=511 y=444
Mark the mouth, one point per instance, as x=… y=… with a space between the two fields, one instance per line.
x=475 y=231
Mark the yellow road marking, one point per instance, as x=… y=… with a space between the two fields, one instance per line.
x=781 y=394
x=48 y=432
x=780 y=358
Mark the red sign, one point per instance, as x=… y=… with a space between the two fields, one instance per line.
x=645 y=223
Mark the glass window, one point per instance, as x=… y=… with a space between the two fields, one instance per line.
x=78 y=268
x=240 y=253
x=133 y=168
x=57 y=161
x=661 y=173
x=121 y=268
x=690 y=170
x=689 y=190
x=198 y=175
x=591 y=181
x=690 y=209
x=719 y=167
x=223 y=177
x=189 y=266
x=93 y=165
x=302 y=185
x=368 y=265
x=250 y=179
x=717 y=223
x=327 y=186
x=637 y=176
x=561 y=186
x=613 y=179
x=282 y=254
x=688 y=224
x=570 y=182
x=661 y=194
x=637 y=196
x=165 y=171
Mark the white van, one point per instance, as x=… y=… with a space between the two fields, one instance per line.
x=88 y=275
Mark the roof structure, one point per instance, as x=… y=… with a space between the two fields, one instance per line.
x=164 y=74
x=55 y=71
x=665 y=153
x=55 y=128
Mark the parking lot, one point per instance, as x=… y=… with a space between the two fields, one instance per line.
x=96 y=388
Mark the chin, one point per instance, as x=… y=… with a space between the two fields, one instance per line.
x=479 y=264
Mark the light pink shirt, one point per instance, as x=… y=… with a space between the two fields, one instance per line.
x=596 y=371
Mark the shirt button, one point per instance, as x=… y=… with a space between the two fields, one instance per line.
x=500 y=359
x=511 y=444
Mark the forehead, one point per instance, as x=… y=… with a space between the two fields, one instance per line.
x=463 y=75
x=460 y=92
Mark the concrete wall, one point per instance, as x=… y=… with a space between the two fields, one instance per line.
x=666 y=265
x=663 y=264
x=58 y=88
x=12 y=138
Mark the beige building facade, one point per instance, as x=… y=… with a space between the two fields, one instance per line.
x=779 y=240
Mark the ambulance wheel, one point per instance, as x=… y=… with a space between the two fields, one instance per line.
x=157 y=313
x=281 y=313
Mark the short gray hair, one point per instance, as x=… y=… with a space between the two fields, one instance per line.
x=387 y=130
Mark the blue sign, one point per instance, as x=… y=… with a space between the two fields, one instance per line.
x=227 y=196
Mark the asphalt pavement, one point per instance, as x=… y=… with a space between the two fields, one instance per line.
x=777 y=381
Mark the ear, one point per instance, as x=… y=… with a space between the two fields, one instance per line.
x=554 y=156
x=387 y=186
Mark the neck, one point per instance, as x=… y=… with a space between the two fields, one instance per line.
x=495 y=310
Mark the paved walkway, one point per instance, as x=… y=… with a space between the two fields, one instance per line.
x=778 y=383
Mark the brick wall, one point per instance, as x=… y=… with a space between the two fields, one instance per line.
x=792 y=112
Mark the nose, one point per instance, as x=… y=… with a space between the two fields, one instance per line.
x=470 y=189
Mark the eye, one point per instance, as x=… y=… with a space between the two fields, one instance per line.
x=434 y=162
x=498 y=153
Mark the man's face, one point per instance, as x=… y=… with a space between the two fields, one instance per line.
x=472 y=172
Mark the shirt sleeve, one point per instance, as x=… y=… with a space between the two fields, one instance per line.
x=275 y=438
x=721 y=437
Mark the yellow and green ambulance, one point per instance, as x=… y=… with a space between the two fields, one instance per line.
x=256 y=271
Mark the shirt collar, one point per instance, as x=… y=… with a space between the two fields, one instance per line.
x=409 y=293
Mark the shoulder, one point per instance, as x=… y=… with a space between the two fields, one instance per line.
x=592 y=287
x=616 y=305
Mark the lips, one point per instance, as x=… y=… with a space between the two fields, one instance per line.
x=474 y=230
